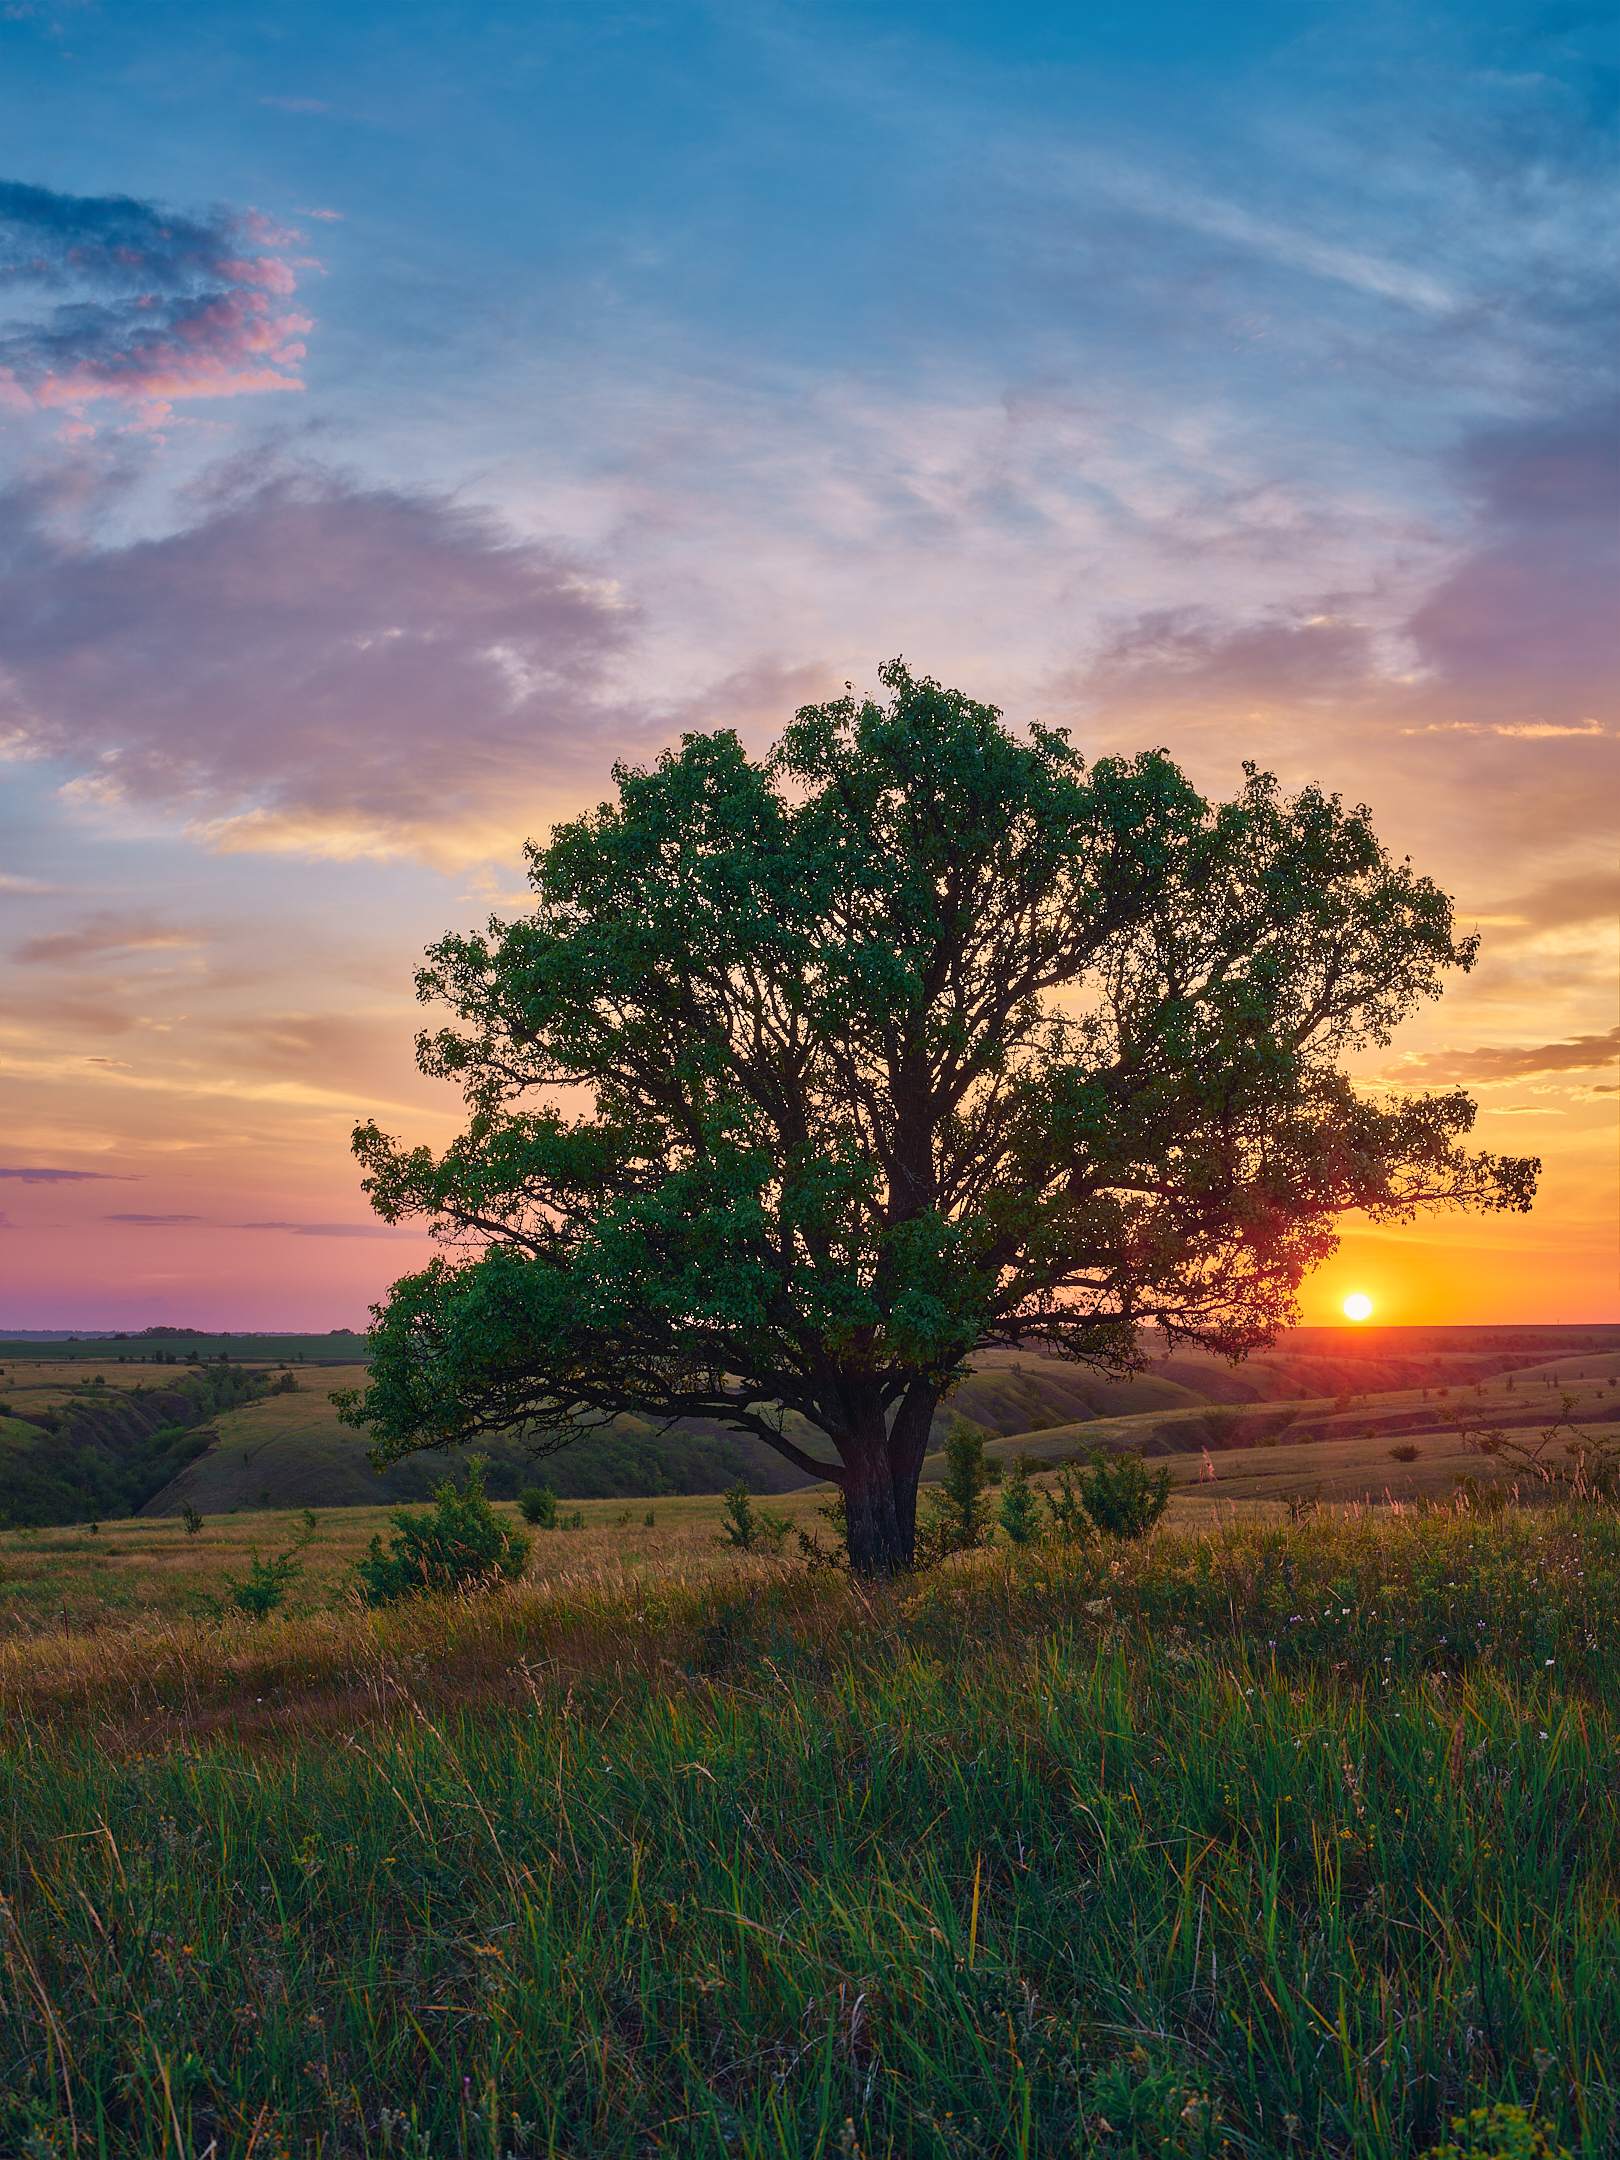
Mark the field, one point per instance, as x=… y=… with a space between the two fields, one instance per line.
x=267 y=1460
x=1255 y=1837
x=1292 y=1829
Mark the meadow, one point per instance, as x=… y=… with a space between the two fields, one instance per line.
x=1259 y=1836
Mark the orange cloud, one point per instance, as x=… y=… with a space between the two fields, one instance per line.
x=1498 y=1065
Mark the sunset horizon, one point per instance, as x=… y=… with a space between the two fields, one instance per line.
x=403 y=427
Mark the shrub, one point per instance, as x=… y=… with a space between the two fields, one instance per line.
x=268 y=1580
x=462 y=1544
x=192 y=1520
x=1120 y=1497
x=958 y=1513
x=743 y=1529
x=1019 y=1514
x=537 y=1504
x=1406 y=1452
x=1071 y=1525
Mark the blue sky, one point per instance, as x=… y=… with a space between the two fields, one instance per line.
x=412 y=409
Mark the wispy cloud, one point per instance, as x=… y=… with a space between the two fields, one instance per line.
x=69 y=1177
x=106 y=933
x=154 y=1222
x=332 y=1229
x=150 y=306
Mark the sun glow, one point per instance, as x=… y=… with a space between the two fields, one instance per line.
x=1357 y=1307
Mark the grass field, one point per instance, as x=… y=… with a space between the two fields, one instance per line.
x=1255 y=1837
x=149 y=1571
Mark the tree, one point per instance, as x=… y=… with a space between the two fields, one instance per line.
x=807 y=1078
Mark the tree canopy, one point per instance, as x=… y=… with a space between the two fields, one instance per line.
x=808 y=1077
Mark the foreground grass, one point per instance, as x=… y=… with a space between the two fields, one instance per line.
x=1278 y=1841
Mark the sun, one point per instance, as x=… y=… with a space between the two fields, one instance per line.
x=1357 y=1307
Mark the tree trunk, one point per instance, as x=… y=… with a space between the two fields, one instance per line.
x=881 y=1468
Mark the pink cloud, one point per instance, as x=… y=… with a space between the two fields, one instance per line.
x=317 y=666
x=156 y=308
x=106 y=933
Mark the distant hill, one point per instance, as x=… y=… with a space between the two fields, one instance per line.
x=159 y=1436
x=71 y=1450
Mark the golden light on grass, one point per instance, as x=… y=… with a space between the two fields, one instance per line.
x=1358 y=1306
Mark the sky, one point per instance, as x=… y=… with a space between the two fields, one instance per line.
x=409 y=411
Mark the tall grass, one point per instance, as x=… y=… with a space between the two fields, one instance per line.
x=1280 y=1842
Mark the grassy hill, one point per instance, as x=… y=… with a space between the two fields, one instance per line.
x=74 y=1446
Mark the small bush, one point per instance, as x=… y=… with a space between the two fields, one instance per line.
x=192 y=1520
x=1221 y=1427
x=268 y=1580
x=958 y=1513
x=744 y=1529
x=1406 y=1452
x=1120 y=1496
x=1070 y=1523
x=462 y=1544
x=1019 y=1514
x=537 y=1504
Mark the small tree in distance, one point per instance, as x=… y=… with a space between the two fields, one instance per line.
x=913 y=1039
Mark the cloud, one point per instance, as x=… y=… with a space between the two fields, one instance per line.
x=315 y=665
x=108 y=933
x=1532 y=604
x=68 y=1177
x=150 y=306
x=153 y=1222
x=1497 y=1065
x=1557 y=904
x=333 y=1229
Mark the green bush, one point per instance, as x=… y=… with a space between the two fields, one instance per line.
x=1120 y=1497
x=537 y=1504
x=1070 y=1523
x=268 y=1581
x=463 y=1543
x=958 y=1516
x=1019 y=1514
x=744 y=1529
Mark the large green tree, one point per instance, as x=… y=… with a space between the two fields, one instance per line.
x=808 y=1078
